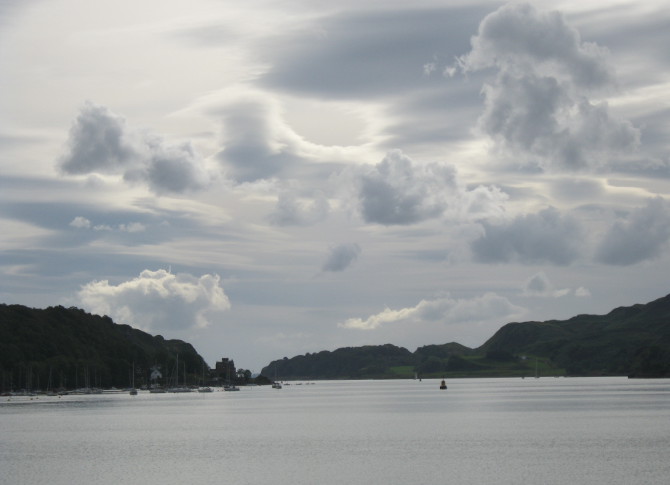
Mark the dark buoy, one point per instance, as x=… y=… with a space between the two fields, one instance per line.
x=443 y=385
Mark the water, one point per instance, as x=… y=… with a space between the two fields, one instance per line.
x=479 y=431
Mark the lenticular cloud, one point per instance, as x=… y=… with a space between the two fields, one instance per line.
x=158 y=300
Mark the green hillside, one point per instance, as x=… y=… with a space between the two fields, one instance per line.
x=67 y=347
x=371 y=361
x=627 y=341
x=632 y=341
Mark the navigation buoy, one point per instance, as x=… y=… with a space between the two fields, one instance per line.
x=443 y=385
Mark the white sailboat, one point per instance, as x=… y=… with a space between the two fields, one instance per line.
x=133 y=391
x=276 y=384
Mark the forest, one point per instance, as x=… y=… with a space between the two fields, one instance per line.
x=67 y=348
x=632 y=341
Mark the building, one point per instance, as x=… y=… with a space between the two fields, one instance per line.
x=225 y=370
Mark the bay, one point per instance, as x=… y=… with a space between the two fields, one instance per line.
x=551 y=431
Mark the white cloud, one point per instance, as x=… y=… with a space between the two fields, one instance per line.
x=80 y=222
x=445 y=309
x=539 y=106
x=100 y=142
x=132 y=227
x=340 y=257
x=158 y=300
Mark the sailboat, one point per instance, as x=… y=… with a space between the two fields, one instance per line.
x=204 y=388
x=275 y=383
x=177 y=387
x=133 y=391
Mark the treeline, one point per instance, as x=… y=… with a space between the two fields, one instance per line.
x=68 y=348
x=633 y=341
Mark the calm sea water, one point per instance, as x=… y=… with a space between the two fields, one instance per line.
x=479 y=431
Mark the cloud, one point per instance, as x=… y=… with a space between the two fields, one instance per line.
x=366 y=54
x=291 y=210
x=340 y=257
x=80 y=223
x=398 y=191
x=545 y=237
x=445 y=309
x=643 y=235
x=539 y=285
x=158 y=300
x=538 y=106
x=257 y=143
x=100 y=142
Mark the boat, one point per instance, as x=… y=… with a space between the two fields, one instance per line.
x=177 y=388
x=231 y=388
x=205 y=389
x=275 y=383
x=443 y=385
x=133 y=391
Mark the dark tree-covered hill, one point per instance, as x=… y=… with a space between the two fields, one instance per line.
x=370 y=361
x=632 y=341
x=67 y=347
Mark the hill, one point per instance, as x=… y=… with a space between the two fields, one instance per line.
x=69 y=348
x=632 y=341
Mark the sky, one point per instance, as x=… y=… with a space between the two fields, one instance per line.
x=266 y=179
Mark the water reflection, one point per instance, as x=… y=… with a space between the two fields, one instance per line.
x=604 y=430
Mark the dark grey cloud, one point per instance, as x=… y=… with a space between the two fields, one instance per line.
x=396 y=191
x=538 y=106
x=519 y=36
x=642 y=235
x=539 y=285
x=399 y=191
x=174 y=169
x=367 y=54
x=291 y=210
x=100 y=142
x=340 y=257
x=545 y=237
x=256 y=145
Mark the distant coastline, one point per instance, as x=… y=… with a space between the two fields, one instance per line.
x=68 y=348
